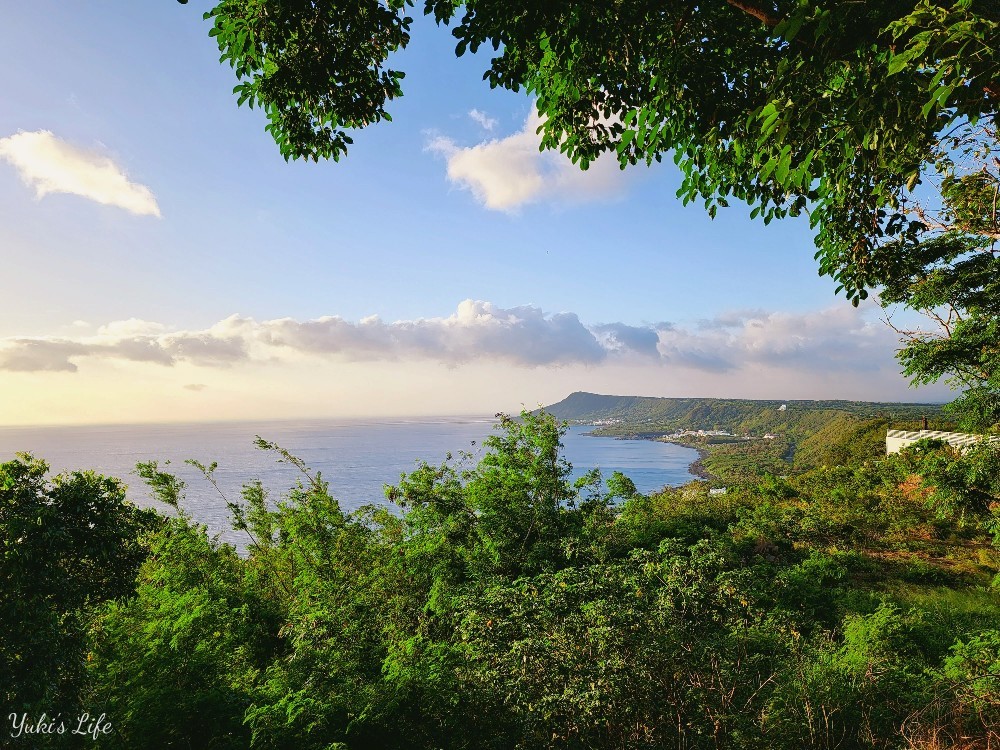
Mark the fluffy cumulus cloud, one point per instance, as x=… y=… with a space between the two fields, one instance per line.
x=51 y=165
x=619 y=337
x=841 y=342
x=839 y=339
x=477 y=330
x=507 y=173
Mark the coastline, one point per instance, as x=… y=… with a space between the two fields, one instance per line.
x=696 y=469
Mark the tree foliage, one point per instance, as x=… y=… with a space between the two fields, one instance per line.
x=829 y=107
x=950 y=273
x=67 y=543
x=500 y=605
x=316 y=69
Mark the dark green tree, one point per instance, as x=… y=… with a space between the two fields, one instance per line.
x=174 y=665
x=67 y=543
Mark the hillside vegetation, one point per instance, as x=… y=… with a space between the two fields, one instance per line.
x=766 y=439
x=644 y=416
x=499 y=605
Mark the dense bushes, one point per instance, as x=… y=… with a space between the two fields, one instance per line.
x=503 y=606
x=66 y=545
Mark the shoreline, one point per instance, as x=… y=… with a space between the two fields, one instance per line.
x=696 y=468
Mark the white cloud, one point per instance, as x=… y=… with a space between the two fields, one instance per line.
x=50 y=354
x=479 y=357
x=484 y=120
x=505 y=174
x=51 y=165
x=523 y=336
x=132 y=327
x=840 y=339
x=40 y=355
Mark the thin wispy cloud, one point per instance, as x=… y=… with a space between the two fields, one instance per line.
x=484 y=120
x=507 y=173
x=838 y=340
x=49 y=164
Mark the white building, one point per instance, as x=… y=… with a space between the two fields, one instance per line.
x=897 y=439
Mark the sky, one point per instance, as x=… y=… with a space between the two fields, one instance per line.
x=162 y=262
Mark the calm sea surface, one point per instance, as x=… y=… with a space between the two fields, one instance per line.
x=357 y=457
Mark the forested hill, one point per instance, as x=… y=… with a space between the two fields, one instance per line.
x=641 y=414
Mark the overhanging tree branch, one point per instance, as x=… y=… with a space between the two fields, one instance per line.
x=761 y=14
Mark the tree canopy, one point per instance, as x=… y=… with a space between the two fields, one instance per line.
x=826 y=106
x=837 y=109
x=67 y=543
x=951 y=273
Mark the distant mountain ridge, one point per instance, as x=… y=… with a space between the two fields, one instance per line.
x=640 y=414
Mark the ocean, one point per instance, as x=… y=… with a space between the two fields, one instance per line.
x=357 y=457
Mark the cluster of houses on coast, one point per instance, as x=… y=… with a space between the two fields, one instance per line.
x=715 y=433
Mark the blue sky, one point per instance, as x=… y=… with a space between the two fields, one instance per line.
x=114 y=303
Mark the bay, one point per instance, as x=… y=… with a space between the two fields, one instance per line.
x=357 y=457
